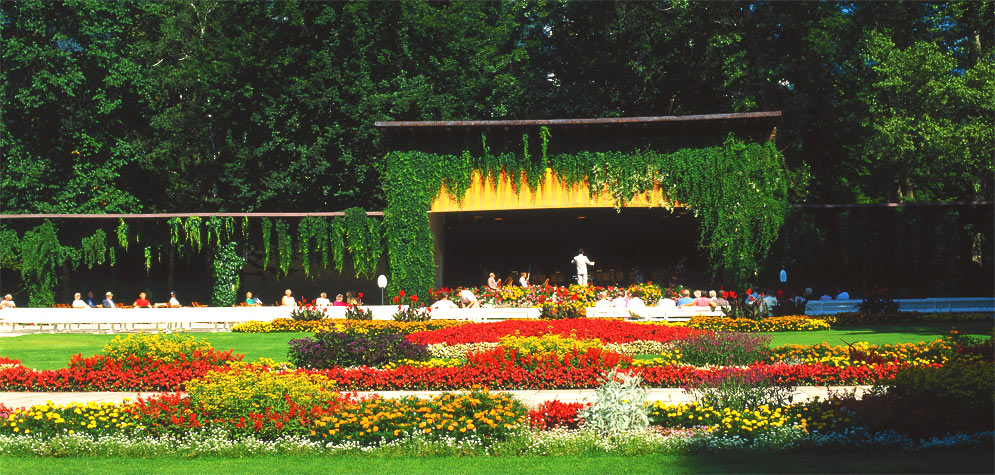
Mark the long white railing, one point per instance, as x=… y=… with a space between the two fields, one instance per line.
x=934 y=305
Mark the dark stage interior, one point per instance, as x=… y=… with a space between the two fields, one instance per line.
x=654 y=240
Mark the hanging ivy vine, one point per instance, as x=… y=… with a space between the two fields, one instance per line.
x=336 y=242
x=122 y=235
x=215 y=230
x=375 y=250
x=227 y=266
x=94 y=248
x=175 y=226
x=148 y=259
x=312 y=242
x=192 y=229
x=9 y=253
x=285 y=246
x=267 y=229
x=363 y=241
x=40 y=256
x=740 y=201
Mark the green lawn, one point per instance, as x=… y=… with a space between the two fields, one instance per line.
x=852 y=461
x=881 y=334
x=52 y=351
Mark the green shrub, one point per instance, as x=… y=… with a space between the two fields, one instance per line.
x=724 y=349
x=739 y=390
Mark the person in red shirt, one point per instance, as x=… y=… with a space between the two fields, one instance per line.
x=142 y=302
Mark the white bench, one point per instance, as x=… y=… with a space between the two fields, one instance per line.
x=673 y=314
x=486 y=314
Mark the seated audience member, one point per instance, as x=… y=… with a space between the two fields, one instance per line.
x=799 y=300
x=603 y=302
x=108 y=301
x=666 y=302
x=142 y=302
x=769 y=301
x=322 y=301
x=701 y=300
x=252 y=301
x=467 y=299
x=619 y=301
x=842 y=295
x=91 y=300
x=350 y=298
x=8 y=302
x=720 y=300
x=685 y=300
x=78 y=301
x=635 y=301
x=523 y=281
x=288 y=299
x=444 y=302
x=339 y=301
x=492 y=282
x=173 y=301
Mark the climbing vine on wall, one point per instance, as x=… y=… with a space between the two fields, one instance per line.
x=284 y=246
x=227 y=266
x=411 y=181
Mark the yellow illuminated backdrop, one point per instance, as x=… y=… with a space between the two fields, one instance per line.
x=552 y=193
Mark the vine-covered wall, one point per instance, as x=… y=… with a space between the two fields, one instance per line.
x=737 y=190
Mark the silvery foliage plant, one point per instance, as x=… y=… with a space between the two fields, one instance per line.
x=619 y=405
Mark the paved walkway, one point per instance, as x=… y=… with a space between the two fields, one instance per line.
x=531 y=398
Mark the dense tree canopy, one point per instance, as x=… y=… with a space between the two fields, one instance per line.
x=265 y=106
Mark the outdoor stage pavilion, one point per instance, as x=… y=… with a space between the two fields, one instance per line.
x=495 y=229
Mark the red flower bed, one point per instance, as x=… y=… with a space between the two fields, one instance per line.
x=556 y=414
x=608 y=331
x=497 y=370
x=100 y=373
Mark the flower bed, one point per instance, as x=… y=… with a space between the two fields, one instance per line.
x=100 y=373
x=340 y=325
x=537 y=295
x=368 y=422
x=608 y=331
x=771 y=324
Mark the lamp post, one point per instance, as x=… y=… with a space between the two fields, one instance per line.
x=382 y=283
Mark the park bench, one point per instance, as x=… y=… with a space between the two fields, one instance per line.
x=672 y=314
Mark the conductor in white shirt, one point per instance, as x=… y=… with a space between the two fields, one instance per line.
x=582 y=262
